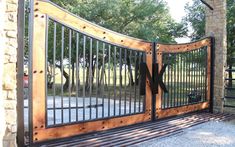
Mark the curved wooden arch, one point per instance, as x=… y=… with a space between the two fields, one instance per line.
x=184 y=47
x=77 y=23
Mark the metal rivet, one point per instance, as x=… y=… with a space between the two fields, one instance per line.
x=42 y=16
x=36 y=133
x=84 y=27
x=41 y=126
x=36 y=10
x=35 y=127
x=35 y=71
x=36 y=15
x=104 y=37
x=36 y=3
x=104 y=32
x=41 y=71
x=121 y=40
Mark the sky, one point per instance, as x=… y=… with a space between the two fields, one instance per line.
x=177 y=8
x=177 y=12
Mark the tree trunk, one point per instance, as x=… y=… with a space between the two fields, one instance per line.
x=130 y=72
x=66 y=76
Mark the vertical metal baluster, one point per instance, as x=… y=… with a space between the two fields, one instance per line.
x=197 y=72
x=97 y=76
x=90 y=74
x=187 y=77
x=139 y=97
x=135 y=82
x=54 y=58
x=171 y=96
x=182 y=77
x=125 y=79
x=168 y=80
x=191 y=79
x=109 y=53
x=77 y=73
x=164 y=95
x=179 y=77
x=84 y=66
x=174 y=78
x=114 y=81
x=120 y=79
x=144 y=98
x=205 y=75
x=103 y=70
x=130 y=57
x=194 y=70
x=62 y=73
x=201 y=76
x=70 y=42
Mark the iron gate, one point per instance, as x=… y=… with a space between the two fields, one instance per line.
x=85 y=78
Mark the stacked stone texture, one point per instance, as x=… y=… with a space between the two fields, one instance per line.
x=9 y=72
x=216 y=25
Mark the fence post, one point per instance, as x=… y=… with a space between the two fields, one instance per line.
x=153 y=77
x=212 y=47
x=20 y=74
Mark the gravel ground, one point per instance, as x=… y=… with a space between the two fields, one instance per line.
x=211 y=134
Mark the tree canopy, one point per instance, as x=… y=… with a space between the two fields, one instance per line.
x=196 y=18
x=145 y=19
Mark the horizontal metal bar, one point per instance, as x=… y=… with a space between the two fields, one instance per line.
x=229 y=79
x=230 y=106
x=229 y=97
x=232 y=70
x=230 y=88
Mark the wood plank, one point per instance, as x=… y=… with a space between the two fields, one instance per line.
x=182 y=110
x=160 y=91
x=84 y=26
x=177 y=48
x=87 y=127
x=38 y=73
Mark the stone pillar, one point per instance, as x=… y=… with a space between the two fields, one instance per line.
x=216 y=26
x=8 y=121
x=2 y=46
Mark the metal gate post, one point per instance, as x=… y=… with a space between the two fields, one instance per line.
x=20 y=73
x=30 y=107
x=153 y=77
x=212 y=73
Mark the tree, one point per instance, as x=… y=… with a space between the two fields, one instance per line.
x=196 y=18
x=145 y=19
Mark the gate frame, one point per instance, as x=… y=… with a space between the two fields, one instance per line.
x=40 y=9
x=174 y=48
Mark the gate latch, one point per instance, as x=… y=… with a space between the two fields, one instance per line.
x=154 y=80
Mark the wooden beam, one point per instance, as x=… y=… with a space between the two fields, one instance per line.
x=182 y=110
x=91 y=29
x=177 y=48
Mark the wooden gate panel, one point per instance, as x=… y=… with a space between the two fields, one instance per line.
x=43 y=10
x=183 y=48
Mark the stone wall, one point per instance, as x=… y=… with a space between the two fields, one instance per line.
x=216 y=25
x=8 y=85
